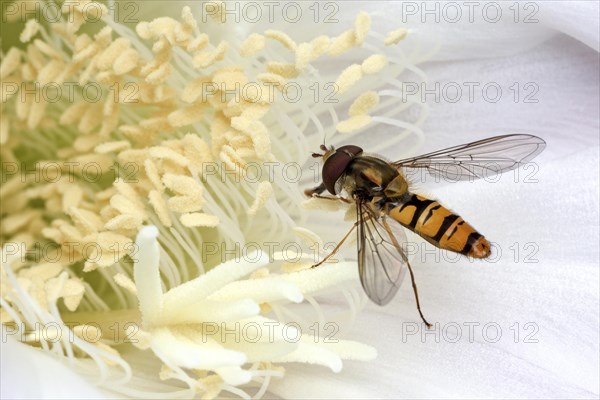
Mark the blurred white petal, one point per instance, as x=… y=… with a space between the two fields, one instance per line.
x=28 y=373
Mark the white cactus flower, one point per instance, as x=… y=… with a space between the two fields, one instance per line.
x=153 y=222
x=176 y=213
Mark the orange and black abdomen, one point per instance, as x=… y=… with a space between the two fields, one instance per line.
x=438 y=225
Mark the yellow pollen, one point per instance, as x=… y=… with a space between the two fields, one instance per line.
x=395 y=37
x=353 y=124
x=252 y=45
x=161 y=152
x=208 y=58
x=342 y=43
x=364 y=103
x=263 y=192
x=282 y=38
x=362 y=26
x=286 y=70
x=126 y=62
x=199 y=219
x=274 y=79
x=112 y=147
x=304 y=55
x=348 y=78
x=319 y=46
x=374 y=64
x=187 y=116
x=160 y=208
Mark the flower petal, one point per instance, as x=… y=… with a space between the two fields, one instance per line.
x=200 y=288
x=260 y=290
x=214 y=311
x=185 y=353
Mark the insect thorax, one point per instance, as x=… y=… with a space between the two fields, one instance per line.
x=369 y=177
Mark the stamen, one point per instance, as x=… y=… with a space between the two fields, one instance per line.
x=252 y=45
x=374 y=64
x=394 y=37
x=165 y=176
x=263 y=192
x=362 y=26
x=282 y=38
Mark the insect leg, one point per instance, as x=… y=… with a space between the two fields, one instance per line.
x=336 y=247
x=412 y=275
x=315 y=191
x=414 y=285
x=345 y=200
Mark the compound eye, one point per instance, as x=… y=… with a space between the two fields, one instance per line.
x=333 y=168
x=336 y=164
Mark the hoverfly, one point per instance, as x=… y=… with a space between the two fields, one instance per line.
x=380 y=191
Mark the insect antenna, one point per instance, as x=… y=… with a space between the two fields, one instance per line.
x=323 y=148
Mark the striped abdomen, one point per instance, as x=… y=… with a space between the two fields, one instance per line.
x=439 y=226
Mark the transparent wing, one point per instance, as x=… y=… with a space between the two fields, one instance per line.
x=382 y=263
x=479 y=159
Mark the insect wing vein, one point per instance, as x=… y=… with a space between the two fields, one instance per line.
x=381 y=261
x=483 y=158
